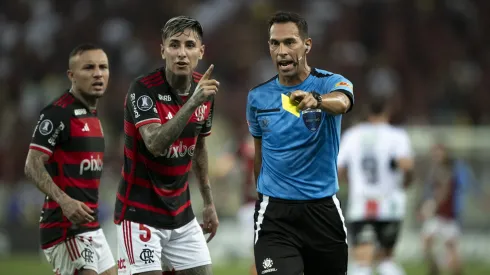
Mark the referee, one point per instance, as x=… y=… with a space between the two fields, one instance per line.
x=295 y=119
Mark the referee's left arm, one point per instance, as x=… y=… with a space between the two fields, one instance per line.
x=336 y=102
x=339 y=96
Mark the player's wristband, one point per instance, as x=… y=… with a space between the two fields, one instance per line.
x=318 y=98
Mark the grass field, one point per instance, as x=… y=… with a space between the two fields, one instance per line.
x=36 y=266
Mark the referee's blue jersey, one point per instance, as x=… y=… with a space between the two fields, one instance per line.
x=299 y=149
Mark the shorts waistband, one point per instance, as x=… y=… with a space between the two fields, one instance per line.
x=312 y=201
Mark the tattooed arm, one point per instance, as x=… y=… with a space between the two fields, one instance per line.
x=200 y=168
x=35 y=171
x=200 y=270
x=76 y=211
x=158 y=137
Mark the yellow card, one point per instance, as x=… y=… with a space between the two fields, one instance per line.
x=288 y=106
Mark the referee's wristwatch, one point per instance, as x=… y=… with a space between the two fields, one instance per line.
x=318 y=98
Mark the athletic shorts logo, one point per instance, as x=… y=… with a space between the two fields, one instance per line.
x=144 y=103
x=88 y=255
x=267 y=265
x=312 y=119
x=45 y=127
x=146 y=256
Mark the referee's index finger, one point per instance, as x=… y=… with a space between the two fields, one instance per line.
x=207 y=74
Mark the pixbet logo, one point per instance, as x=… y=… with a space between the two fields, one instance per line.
x=91 y=165
x=176 y=151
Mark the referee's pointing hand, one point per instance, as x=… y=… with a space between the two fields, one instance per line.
x=304 y=100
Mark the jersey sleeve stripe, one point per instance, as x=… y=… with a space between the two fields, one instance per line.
x=148 y=121
x=40 y=149
x=205 y=134
x=154 y=209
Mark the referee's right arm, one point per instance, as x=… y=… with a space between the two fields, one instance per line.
x=254 y=128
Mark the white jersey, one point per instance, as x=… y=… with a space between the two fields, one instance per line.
x=375 y=187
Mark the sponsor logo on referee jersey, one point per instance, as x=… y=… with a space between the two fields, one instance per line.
x=343 y=84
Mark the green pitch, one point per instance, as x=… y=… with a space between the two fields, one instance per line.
x=35 y=265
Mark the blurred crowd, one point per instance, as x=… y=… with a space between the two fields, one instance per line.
x=431 y=56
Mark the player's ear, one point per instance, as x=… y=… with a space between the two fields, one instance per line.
x=308 y=45
x=162 y=51
x=201 y=51
x=69 y=73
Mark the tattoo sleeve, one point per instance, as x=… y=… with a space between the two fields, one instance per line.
x=35 y=171
x=158 y=137
x=200 y=270
x=200 y=168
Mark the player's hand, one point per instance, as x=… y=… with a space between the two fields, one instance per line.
x=77 y=212
x=206 y=88
x=304 y=100
x=210 y=221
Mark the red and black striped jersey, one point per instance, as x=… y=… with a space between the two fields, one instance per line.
x=73 y=138
x=155 y=190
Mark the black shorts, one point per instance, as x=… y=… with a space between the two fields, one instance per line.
x=384 y=233
x=292 y=237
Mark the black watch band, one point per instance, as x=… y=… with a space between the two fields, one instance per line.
x=318 y=98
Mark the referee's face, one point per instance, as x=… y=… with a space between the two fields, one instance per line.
x=287 y=48
x=89 y=73
x=182 y=52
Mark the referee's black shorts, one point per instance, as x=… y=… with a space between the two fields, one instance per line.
x=296 y=237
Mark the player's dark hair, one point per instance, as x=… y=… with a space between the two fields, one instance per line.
x=286 y=17
x=378 y=105
x=83 y=48
x=178 y=24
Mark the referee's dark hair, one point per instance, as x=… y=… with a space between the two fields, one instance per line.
x=286 y=17
x=81 y=49
x=178 y=24
x=378 y=105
